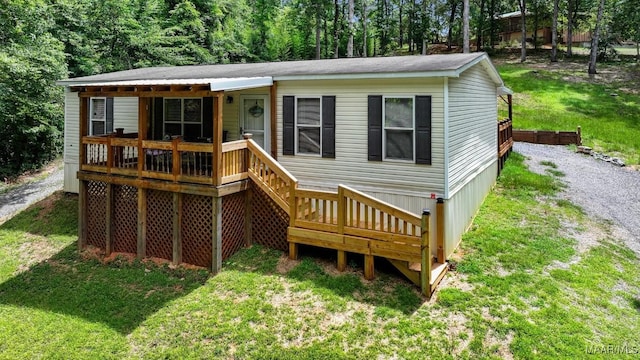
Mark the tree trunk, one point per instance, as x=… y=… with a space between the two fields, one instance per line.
x=364 y=28
x=492 y=23
x=318 y=31
x=465 y=27
x=480 y=26
x=554 y=32
x=594 y=41
x=350 y=43
x=454 y=5
x=425 y=34
x=569 y=38
x=400 y=32
x=523 y=44
x=536 y=22
x=336 y=30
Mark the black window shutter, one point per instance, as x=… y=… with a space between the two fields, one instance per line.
x=109 y=116
x=288 y=125
x=328 y=126
x=375 y=127
x=423 y=130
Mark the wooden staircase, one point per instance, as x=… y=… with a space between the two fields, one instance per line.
x=350 y=221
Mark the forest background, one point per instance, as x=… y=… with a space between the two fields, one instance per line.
x=42 y=41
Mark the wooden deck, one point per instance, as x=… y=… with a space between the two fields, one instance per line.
x=347 y=221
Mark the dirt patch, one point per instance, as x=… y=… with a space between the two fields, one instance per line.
x=285 y=264
x=33 y=252
x=501 y=344
x=48 y=204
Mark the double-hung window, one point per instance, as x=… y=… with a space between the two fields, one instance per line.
x=98 y=118
x=399 y=128
x=309 y=125
x=398 y=114
x=183 y=117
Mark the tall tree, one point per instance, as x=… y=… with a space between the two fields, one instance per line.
x=554 y=32
x=593 y=57
x=452 y=17
x=523 y=43
x=465 y=27
x=365 y=37
x=351 y=28
x=570 y=21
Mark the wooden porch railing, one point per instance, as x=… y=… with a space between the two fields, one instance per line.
x=173 y=160
x=505 y=142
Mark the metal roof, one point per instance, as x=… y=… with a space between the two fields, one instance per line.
x=450 y=65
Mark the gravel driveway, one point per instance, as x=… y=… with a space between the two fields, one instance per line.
x=603 y=190
x=18 y=199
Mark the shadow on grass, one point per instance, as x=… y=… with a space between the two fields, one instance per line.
x=119 y=294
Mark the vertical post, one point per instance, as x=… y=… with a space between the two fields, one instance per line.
x=142 y=222
x=579 y=131
x=175 y=159
x=440 y=230
x=425 y=252
x=216 y=235
x=342 y=260
x=273 y=120
x=82 y=215
x=342 y=210
x=177 y=234
x=143 y=112
x=108 y=220
x=118 y=156
x=509 y=99
x=218 y=101
x=109 y=154
x=248 y=211
x=293 y=213
x=369 y=273
x=84 y=128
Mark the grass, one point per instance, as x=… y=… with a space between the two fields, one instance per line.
x=563 y=98
x=521 y=289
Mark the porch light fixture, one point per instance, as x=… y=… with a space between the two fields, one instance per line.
x=256 y=110
x=229 y=99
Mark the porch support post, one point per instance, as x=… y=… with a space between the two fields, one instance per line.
x=84 y=128
x=142 y=222
x=143 y=115
x=108 y=220
x=273 y=120
x=342 y=260
x=509 y=100
x=82 y=215
x=177 y=234
x=218 y=101
x=216 y=234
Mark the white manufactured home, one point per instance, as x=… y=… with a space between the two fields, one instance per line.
x=343 y=154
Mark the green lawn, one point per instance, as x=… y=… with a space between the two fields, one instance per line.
x=562 y=98
x=521 y=289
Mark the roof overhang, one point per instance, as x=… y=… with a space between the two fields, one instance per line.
x=218 y=84
x=503 y=90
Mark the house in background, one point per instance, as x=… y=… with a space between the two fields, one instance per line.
x=511 y=30
x=343 y=154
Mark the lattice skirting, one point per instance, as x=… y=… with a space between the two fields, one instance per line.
x=269 y=222
x=159 y=224
x=196 y=230
x=96 y=213
x=233 y=214
x=125 y=219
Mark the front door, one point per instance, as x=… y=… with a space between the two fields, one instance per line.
x=254 y=119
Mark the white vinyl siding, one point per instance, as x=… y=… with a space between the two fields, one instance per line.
x=461 y=208
x=351 y=166
x=473 y=118
x=125 y=115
